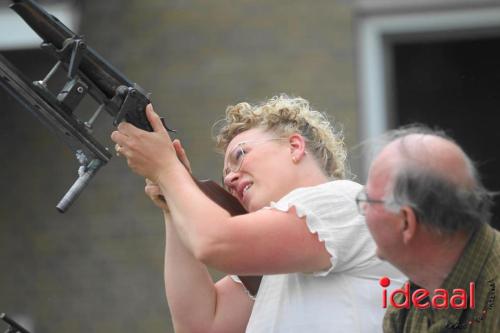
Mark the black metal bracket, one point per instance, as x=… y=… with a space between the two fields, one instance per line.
x=14 y=327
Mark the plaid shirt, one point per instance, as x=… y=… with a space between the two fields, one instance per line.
x=480 y=263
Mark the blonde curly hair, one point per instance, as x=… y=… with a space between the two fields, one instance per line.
x=285 y=116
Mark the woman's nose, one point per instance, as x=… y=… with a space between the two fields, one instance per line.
x=230 y=179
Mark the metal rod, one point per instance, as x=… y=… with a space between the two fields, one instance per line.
x=92 y=119
x=49 y=75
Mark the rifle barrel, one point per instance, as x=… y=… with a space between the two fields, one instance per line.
x=53 y=31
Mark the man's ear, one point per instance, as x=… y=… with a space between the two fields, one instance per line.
x=409 y=224
x=297 y=146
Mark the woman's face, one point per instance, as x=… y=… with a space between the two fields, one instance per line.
x=258 y=168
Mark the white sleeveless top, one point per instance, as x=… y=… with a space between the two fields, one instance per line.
x=345 y=298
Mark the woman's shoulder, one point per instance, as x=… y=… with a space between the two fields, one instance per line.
x=327 y=199
x=341 y=186
x=336 y=188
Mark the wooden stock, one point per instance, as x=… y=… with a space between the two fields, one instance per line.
x=224 y=199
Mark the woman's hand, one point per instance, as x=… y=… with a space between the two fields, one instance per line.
x=153 y=191
x=148 y=153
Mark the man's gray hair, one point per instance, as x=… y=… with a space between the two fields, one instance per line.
x=438 y=202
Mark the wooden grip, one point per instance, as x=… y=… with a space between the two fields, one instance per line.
x=224 y=199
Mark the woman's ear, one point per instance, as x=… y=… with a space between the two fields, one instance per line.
x=297 y=147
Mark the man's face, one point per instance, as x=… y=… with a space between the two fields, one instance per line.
x=384 y=225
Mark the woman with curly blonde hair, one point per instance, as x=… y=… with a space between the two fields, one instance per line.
x=286 y=165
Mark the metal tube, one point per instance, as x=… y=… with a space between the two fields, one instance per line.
x=79 y=185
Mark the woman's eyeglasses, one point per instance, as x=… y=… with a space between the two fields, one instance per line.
x=237 y=154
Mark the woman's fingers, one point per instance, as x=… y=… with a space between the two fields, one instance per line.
x=118 y=149
x=154 y=119
x=181 y=154
x=153 y=191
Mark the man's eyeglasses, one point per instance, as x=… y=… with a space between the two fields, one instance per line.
x=237 y=154
x=363 y=200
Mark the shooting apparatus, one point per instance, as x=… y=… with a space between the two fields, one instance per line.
x=87 y=74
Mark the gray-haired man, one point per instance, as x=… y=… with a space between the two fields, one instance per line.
x=429 y=215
